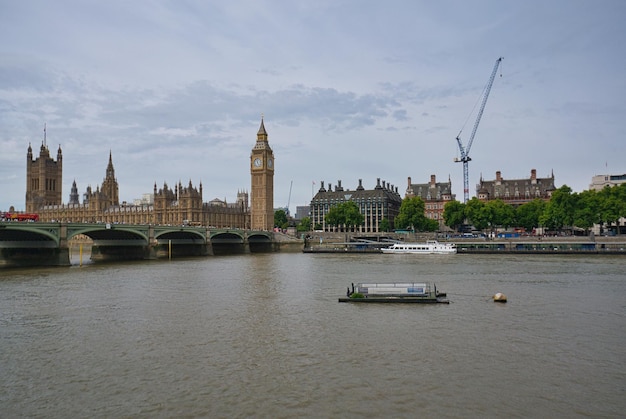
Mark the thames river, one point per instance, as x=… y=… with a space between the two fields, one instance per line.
x=263 y=335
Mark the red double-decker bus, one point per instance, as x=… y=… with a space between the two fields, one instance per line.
x=19 y=216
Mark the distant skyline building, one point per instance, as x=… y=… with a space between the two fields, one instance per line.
x=302 y=211
x=599 y=182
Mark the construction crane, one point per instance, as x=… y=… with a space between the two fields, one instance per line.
x=288 y=199
x=465 y=158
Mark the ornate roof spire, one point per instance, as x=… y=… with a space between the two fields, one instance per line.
x=261 y=138
x=262 y=129
x=110 y=169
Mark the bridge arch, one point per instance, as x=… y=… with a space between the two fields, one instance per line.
x=228 y=242
x=36 y=235
x=260 y=241
x=180 y=236
x=131 y=235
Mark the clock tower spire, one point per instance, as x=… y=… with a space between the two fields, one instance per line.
x=262 y=179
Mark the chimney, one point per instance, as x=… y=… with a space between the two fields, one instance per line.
x=432 y=180
x=533 y=176
x=409 y=181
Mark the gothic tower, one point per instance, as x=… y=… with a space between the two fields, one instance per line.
x=74 y=200
x=262 y=191
x=110 y=187
x=44 y=178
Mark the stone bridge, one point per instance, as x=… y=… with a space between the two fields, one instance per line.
x=47 y=244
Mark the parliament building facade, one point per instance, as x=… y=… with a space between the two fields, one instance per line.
x=180 y=205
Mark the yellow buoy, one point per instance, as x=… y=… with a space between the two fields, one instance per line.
x=499 y=298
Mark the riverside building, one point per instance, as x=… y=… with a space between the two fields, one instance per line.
x=382 y=202
x=435 y=196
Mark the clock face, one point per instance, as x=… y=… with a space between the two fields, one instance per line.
x=270 y=163
x=257 y=162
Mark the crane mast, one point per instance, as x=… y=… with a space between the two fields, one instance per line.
x=289 y=199
x=464 y=150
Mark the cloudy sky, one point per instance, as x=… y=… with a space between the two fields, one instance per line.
x=349 y=89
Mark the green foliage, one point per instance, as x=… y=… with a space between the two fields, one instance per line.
x=384 y=225
x=499 y=214
x=587 y=209
x=527 y=215
x=476 y=213
x=344 y=214
x=304 y=225
x=412 y=216
x=565 y=209
x=559 y=210
x=454 y=214
x=280 y=219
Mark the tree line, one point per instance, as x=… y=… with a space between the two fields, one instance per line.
x=564 y=209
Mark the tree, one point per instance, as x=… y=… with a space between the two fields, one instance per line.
x=476 y=213
x=412 y=216
x=304 y=225
x=499 y=214
x=612 y=203
x=454 y=214
x=344 y=214
x=527 y=215
x=559 y=211
x=280 y=219
x=384 y=225
x=587 y=209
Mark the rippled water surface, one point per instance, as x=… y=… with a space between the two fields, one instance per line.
x=264 y=336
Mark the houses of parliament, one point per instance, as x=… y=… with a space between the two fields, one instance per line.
x=180 y=205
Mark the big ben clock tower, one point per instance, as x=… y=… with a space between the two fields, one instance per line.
x=262 y=174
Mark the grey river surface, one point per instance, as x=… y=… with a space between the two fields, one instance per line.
x=263 y=335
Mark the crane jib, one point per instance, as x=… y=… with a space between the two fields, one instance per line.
x=465 y=150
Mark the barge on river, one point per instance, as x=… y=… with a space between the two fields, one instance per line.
x=396 y=292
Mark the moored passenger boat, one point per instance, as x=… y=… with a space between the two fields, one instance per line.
x=430 y=247
x=396 y=292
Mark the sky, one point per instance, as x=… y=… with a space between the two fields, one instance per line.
x=348 y=89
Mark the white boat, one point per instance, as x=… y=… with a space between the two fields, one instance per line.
x=430 y=247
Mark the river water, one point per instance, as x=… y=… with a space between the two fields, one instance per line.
x=263 y=335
